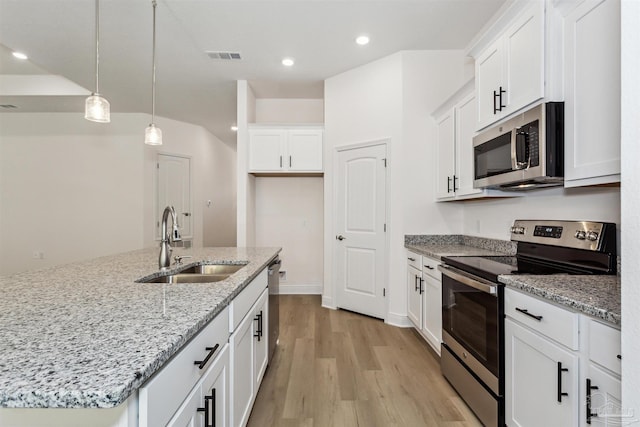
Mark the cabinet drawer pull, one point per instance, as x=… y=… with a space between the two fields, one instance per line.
x=560 y=371
x=411 y=259
x=525 y=311
x=289 y=161
x=280 y=161
x=421 y=288
x=448 y=184
x=429 y=267
x=208 y=405
x=589 y=388
x=202 y=363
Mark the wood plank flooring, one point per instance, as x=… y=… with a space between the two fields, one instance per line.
x=337 y=368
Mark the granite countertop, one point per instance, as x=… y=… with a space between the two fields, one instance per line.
x=597 y=296
x=85 y=335
x=439 y=245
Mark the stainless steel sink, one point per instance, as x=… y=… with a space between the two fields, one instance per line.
x=215 y=269
x=208 y=273
x=187 y=278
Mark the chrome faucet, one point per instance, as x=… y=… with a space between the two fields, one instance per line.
x=165 y=247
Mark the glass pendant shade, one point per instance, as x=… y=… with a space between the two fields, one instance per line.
x=152 y=135
x=97 y=109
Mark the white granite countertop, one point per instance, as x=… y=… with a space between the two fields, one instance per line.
x=437 y=251
x=597 y=296
x=85 y=335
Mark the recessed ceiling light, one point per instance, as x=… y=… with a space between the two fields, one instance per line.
x=234 y=128
x=362 y=40
x=287 y=62
x=20 y=55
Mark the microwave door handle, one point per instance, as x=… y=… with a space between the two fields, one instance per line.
x=521 y=145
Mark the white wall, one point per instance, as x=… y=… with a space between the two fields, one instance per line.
x=289 y=214
x=277 y=110
x=630 y=207
x=74 y=190
x=392 y=98
x=493 y=217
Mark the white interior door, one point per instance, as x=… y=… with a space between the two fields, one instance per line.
x=360 y=230
x=174 y=189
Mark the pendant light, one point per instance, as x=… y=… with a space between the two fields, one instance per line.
x=96 y=108
x=153 y=134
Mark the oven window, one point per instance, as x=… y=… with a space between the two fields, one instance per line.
x=493 y=157
x=471 y=317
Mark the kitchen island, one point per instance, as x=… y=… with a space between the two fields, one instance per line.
x=86 y=335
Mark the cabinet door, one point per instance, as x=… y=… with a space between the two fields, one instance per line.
x=533 y=380
x=304 y=150
x=188 y=414
x=465 y=129
x=445 y=156
x=267 y=149
x=241 y=343
x=261 y=337
x=489 y=80
x=605 y=402
x=433 y=311
x=592 y=93
x=414 y=310
x=524 y=55
x=215 y=391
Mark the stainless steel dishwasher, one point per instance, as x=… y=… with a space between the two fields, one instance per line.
x=274 y=305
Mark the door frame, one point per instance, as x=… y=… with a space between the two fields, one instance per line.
x=334 y=200
x=156 y=194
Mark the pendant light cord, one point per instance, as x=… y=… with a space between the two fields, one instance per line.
x=153 y=56
x=97 y=44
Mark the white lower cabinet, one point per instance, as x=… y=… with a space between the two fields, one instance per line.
x=165 y=394
x=249 y=359
x=207 y=405
x=562 y=368
x=424 y=297
x=538 y=372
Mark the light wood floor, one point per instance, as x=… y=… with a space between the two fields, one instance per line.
x=337 y=368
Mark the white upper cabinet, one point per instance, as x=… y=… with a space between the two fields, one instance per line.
x=592 y=93
x=285 y=150
x=445 y=147
x=455 y=123
x=510 y=72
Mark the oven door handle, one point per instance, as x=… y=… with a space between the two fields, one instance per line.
x=476 y=283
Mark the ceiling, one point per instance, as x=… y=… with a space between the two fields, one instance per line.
x=58 y=36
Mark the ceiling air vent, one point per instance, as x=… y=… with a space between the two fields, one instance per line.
x=8 y=106
x=224 y=56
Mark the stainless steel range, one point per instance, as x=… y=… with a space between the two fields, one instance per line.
x=473 y=301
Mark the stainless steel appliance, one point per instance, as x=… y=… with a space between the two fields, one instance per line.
x=472 y=357
x=274 y=305
x=522 y=153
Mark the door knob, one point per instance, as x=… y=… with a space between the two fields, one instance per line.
x=340 y=237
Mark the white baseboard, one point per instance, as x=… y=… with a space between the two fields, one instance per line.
x=300 y=289
x=399 y=320
x=327 y=302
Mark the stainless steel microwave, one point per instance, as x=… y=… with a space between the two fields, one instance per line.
x=522 y=153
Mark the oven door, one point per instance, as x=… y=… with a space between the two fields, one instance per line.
x=472 y=323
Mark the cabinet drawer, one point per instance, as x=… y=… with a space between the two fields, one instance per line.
x=244 y=301
x=163 y=394
x=554 y=322
x=414 y=260
x=430 y=267
x=604 y=345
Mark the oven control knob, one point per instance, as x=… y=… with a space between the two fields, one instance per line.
x=581 y=235
x=517 y=230
x=592 y=235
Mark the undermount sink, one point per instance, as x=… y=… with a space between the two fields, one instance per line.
x=213 y=269
x=187 y=278
x=207 y=273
